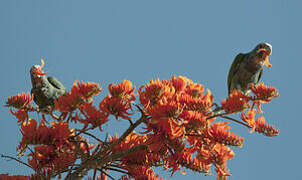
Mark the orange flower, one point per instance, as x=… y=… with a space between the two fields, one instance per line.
x=21 y=115
x=28 y=130
x=187 y=160
x=263 y=93
x=195 y=90
x=142 y=172
x=68 y=102
x=265 y=129
x=236 y=102
x=60 y=131
x=250 y=118
x=219 y=133
x=179 y=83
x=222 y=154
x=201 y=104
x=165 y=109
x=85 y=90
x=154 y=91
x=19 y=101
x=92 y=115
x=115 y=106
x=51 y=159
x=123 y=90
x=194 y=119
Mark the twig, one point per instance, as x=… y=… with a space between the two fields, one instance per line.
x=235 y=120
x=15 y=159
x=103 y=172
x=117 y=170
x=93 y=136
x=94 y=173
x=217 y=115
x=95 y=161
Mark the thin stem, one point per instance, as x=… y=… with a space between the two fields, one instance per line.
x=235 y=120
x=100 y=162
x=15 y=159
x=103 y=172
x=117 y=170
x=94 y=173
x=93 y=136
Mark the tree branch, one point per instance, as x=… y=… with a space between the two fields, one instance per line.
x=15 y=159
x=94 y=161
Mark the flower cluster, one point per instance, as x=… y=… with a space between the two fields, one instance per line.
x=118 y=102
x=51 y=158
x=263 y=94
x=19 y=101
x=93 y=116
x=179 y=110
x=236 y=102
x=219 y=133
x=180 y=129
x=57 y=133
x=80 y=93
x=259 y=125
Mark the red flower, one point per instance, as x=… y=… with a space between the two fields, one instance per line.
x=219 y=133
x=123 y=90
x=115 y=106
x=236 y=102
x=263 y=93
x=201 y=104
x=265 y=129
x=195 y=90
x=28 y=130
x=92 y=115
x=85 y=90
x=179 y=83
x=21 y=115
x=250 y=118
x=19 y=101
x=154 y=91
x=221 y=155
x=68 y=102
x=51 y=159
x=165 y=109
x=194 y=120
x=60 y=131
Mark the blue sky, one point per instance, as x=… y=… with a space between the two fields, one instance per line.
x=109 y=41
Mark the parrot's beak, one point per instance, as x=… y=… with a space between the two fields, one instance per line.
x=267 y=54
x=38 y=70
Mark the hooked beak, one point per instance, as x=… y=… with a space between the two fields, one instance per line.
x=266 y=60
x=38 y=70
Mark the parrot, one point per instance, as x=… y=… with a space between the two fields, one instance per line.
x=45 y=89
x=247 y=68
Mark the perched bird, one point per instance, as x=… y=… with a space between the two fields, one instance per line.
x=247 y=68
x=45 y=89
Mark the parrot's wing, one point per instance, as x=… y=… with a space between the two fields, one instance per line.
x=234 y=68
x=55 y=83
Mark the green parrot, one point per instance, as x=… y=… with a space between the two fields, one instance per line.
x=45 y=89
x=247 y=68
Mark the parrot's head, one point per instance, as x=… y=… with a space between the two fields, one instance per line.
x=263 y=51
x=36 y=74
